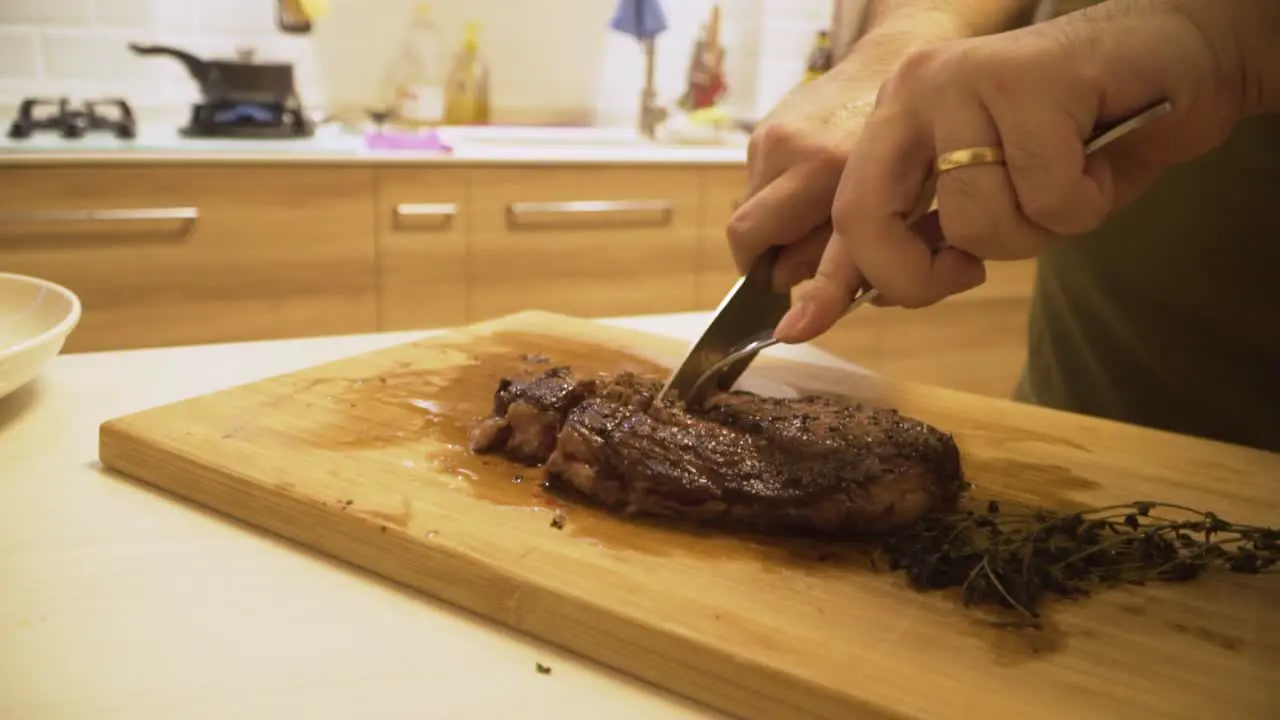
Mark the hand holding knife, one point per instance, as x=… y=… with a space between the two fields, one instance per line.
x=752 y=316
x=796 y=326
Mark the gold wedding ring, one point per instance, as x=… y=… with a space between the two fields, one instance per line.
x=981 y=155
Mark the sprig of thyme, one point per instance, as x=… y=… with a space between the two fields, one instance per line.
x=1014 y=559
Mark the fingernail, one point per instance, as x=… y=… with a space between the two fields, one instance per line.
x=794 y=321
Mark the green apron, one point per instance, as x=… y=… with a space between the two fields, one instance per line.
x=1168 y=315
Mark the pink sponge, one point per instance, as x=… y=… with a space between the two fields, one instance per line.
x=382 y=140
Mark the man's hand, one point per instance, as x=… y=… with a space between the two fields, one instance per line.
x=1035 y=92
x=797 y=153
x=794 y=162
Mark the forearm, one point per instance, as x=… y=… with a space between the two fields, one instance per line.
x=948 y=19
x=1244 y=36
x=896 y=28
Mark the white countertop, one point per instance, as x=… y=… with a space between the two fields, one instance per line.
x=119 y=602
x=332 y=144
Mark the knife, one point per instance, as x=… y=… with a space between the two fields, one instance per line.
x=743 y=323
x=750 y=305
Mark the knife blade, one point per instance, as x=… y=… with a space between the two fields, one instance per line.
x=750 y=304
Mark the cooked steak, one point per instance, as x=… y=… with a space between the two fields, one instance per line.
x=527 y=416
x=801 y=466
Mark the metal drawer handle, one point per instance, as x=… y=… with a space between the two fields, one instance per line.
x=442 y=212
x=518 y=213
x=188 y=214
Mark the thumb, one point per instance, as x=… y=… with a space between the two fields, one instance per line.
x=819 y=302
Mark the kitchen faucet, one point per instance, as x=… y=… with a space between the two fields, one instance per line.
x=644 y=21
x=651 y=113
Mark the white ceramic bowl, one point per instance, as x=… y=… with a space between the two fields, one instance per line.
x=36 y=316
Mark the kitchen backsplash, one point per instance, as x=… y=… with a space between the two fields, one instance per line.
x=551 y=60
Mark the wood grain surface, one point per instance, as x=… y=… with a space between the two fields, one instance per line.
x=362 y=459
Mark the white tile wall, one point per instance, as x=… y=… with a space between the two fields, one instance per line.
x=548 y=57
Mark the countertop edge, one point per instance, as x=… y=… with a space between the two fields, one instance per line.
x=143 y=157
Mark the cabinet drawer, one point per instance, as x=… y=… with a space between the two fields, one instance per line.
x=182 y=255
x=423 y=220
x=721 y=189
x=973 y=344
x=583 y=241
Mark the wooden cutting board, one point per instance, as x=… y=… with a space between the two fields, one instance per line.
x=362 y=459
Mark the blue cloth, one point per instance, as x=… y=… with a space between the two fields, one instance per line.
x=641 y=19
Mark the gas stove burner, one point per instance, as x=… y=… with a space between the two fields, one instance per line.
x=248 y=119
x=73 y=122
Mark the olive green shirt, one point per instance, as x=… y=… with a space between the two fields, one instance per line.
x=1169 y=314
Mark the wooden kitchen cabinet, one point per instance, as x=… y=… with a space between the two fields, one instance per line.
x=721 y=189
x=974 y=341
x=423 y=218
x=170 y=255
x=166 y=254
x=586 y=241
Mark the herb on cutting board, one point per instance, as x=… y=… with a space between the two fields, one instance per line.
x=1014 y=558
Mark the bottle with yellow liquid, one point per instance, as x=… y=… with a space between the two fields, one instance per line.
x=467 y=87
x=819 y=61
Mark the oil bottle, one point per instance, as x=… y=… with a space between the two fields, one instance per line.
x=819 y=61
x=467 y=88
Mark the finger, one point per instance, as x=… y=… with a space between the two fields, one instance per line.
x=977 y=206
x=790 y=207
x=881 y=187
x=1057 y=187
x=760 y=172
x=768 y=151
x=818 y=303
x=929 y=229
x=799 y=261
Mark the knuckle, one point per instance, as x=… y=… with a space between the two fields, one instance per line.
x=1032 y=174
x=738 y=232
x=829 y=158
x=1048 y=206
x=977 y=219
x=844 y=224
x=734 y=230
x=747 y=240
x=755 y=145
x=823 y=153
x=908 y=79
x=772 y=137
x=1045 y=208
x=918 y=63
x=768 y=142
x=1058 y=207
x=785 y=146
x=935 y=67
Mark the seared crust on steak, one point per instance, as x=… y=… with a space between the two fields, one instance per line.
x=528 y=415
x=809 y=465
